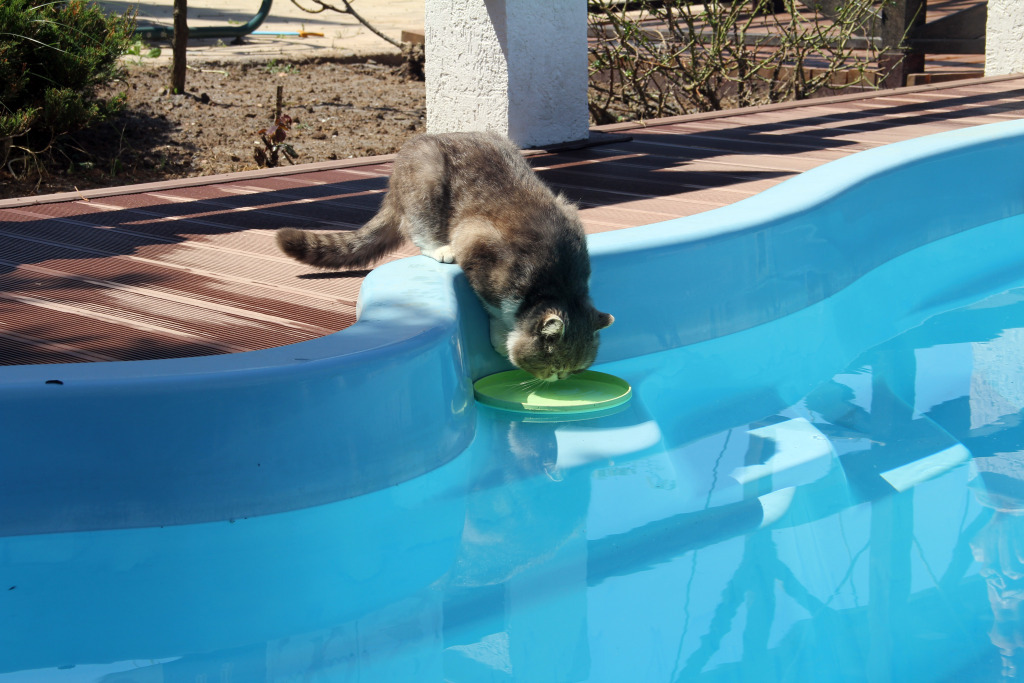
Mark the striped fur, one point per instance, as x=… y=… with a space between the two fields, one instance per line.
x=471 y=198
x=333 y=250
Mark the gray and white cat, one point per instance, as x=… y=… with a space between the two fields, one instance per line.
x=471 y=199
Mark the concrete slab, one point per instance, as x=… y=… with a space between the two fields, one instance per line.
x=288 y=32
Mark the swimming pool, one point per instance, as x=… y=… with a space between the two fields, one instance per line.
x=817 y=478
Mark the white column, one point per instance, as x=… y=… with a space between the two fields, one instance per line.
x=1004 y=37
x=518 y=67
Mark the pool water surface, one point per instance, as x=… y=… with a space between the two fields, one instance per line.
x=835 y=495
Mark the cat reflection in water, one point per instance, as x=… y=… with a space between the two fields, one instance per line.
x=471 y=199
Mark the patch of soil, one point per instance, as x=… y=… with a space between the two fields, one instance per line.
x=338 y=111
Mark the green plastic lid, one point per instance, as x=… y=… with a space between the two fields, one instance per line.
x=519 y=391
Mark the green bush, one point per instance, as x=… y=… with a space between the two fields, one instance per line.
x=53 y=55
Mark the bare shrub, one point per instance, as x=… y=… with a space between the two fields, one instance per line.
x=653 y=58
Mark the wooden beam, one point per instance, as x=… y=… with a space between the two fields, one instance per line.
x=961 y=33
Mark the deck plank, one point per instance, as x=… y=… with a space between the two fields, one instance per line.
x=190 y=268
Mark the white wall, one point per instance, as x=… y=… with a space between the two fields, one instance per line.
x=1004 y=39
x=515 y=66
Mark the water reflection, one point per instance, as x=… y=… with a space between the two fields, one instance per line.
x=999 y=547
x=884 y=588
x=515 y=599
x=996 y=437
x=831 y=540
x=871 y=531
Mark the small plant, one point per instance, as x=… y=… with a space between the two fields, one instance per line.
x=275 y=67
x=271 y=145
x=139 y=50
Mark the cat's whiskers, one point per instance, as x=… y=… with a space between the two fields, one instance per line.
x=532 y=384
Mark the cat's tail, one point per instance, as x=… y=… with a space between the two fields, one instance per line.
x=356 y=249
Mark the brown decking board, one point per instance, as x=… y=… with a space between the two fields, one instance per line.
x=189 y=267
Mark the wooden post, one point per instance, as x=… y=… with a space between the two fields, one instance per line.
x=180 y=44
x=900 y=18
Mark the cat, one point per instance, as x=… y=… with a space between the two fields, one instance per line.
x=471 y=199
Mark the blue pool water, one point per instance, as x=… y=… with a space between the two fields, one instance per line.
x=833 y=494
x=869 y=529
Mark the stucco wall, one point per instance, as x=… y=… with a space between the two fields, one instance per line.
x=548 y=71
x=1004 y=40
x=466 y=71
x=518 y=67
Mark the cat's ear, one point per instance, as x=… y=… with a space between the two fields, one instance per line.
x=552 y=327
x=604 y=320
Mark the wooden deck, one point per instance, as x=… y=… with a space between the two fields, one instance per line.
x=189 y=267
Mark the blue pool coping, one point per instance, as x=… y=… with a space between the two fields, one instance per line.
x=161 y=442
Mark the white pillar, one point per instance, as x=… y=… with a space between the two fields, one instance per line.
x=1004 y=37
x=518 y=67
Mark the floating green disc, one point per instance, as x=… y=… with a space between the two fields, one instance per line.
x=520 y=391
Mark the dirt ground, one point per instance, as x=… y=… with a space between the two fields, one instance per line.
x=338 y=111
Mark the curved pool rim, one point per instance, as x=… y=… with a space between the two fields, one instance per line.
x=222 y=437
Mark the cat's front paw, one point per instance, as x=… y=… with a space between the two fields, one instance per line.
x=443 y=254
